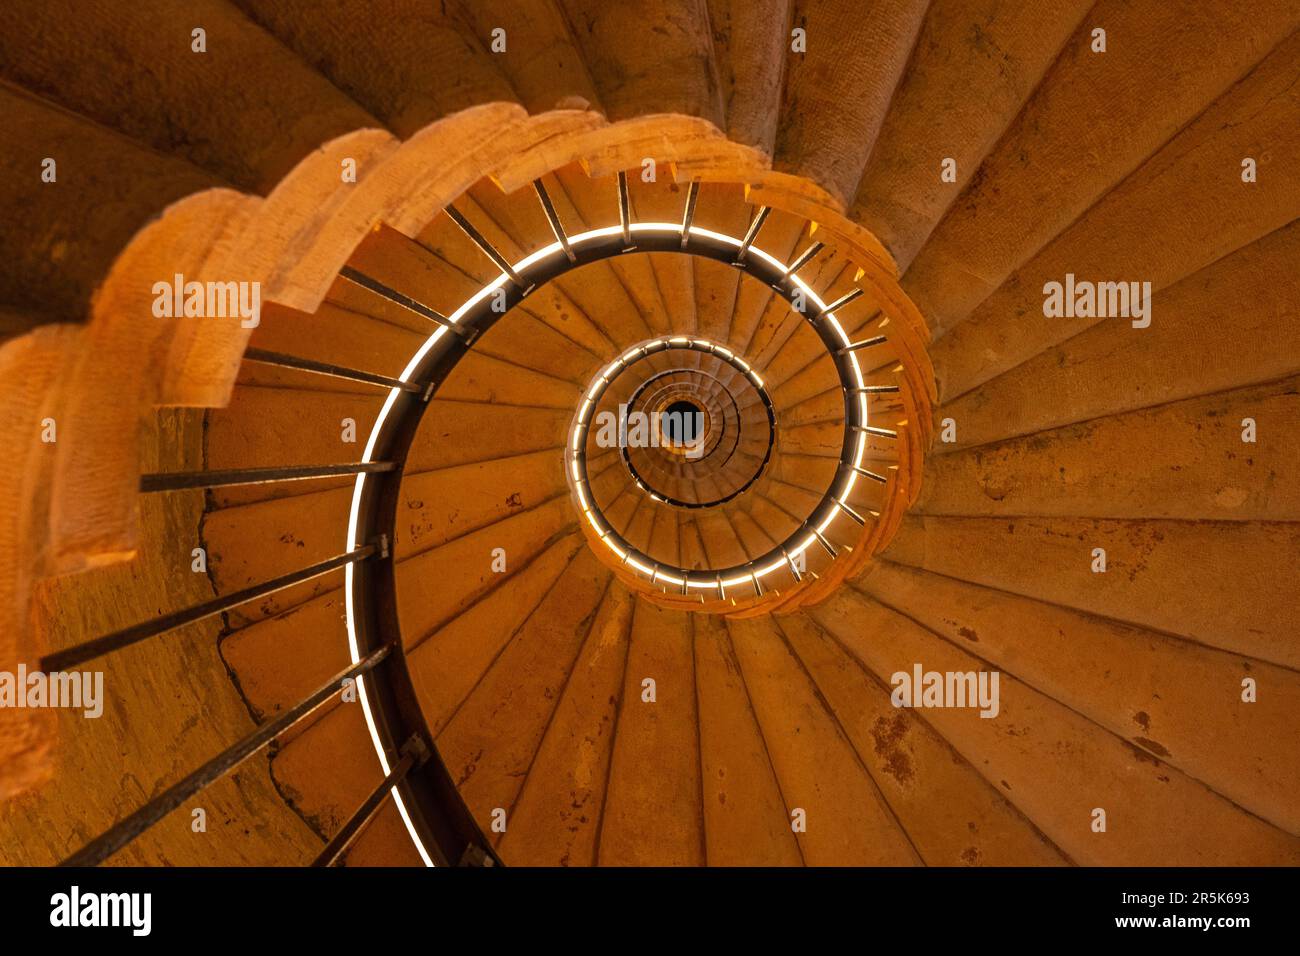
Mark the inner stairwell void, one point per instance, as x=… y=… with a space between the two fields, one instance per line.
x=335 y=340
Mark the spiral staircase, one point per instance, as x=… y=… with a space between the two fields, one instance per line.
x=366 y=585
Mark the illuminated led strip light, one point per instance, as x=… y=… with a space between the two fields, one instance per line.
x=669 y=342
x=780 y=558
x=785 y=558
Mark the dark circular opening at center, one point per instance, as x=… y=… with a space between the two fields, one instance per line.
x=682 y=423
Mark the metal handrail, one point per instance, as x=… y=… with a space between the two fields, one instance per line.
x=413 y=754
x=837 y=344
x=124 y=831
x=89 y=650
x=180 y=480
x=699 y=345
x=448 y=832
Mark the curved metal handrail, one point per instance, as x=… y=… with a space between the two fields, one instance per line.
x=372 y=589
x=644 y=484
x=436 y=817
